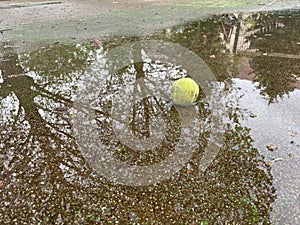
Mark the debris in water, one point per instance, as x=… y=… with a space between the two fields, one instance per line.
x=293 y=133
x=271 y=147
x=268 y=163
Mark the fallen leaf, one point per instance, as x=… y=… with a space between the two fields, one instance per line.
x=271 y=147
x=293 y=133
x=268 y=164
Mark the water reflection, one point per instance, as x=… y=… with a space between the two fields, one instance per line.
x=272 y=44
x=41 y=165
x=44 y=178
x=276 y=77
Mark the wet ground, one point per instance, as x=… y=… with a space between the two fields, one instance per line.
x=49 y=176
x=30 y=23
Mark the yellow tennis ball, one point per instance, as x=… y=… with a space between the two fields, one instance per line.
x=184 y=91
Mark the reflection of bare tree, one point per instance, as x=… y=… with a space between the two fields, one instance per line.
x=146 y=107
x=41 y=163
x=234 y=188
x=144 y=126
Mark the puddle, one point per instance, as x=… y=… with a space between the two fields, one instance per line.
x=48 y=176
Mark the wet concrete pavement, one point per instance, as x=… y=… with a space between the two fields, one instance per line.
x=31 y=22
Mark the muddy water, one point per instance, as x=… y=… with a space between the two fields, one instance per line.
x=47 y=177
